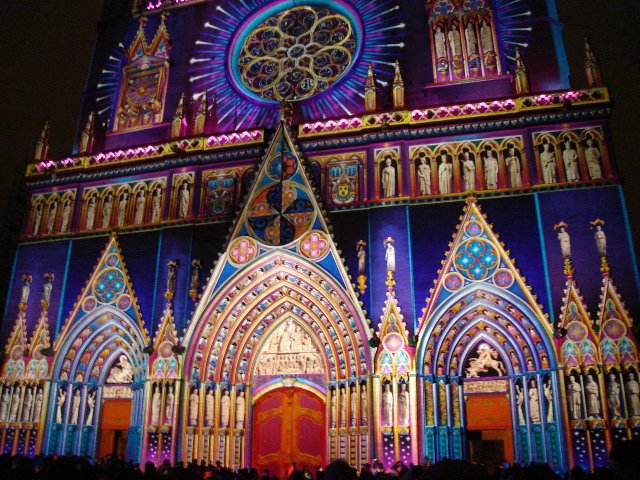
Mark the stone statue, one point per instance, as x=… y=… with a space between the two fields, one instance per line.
x=139 y=210
x=343 y=407
x=37 y=218
x=548 y=394
x=403 y=404
x=240 y=407
x=37 y=405
x=75 y=407
x=534 y=402
x=388 y=178
x=353 y=404
x=439 y=40
x=470 y=37
x=196 y=267
x=362 y=258
x=548 y=163
x=601 y=241
x=565 y=242
x=62 y=395
x=225 y=407
x=194 y=402
x=91 y=405
x=334 y=409
x=183 y=200
x=122 y=372
x=390 y=255
x=156 y=401
x=575 y=398
x=208 y=407
x=156 y=204
x=4 y=403
x=364 y=405
x=26 y=288
x=387 y=405
x=593 y=157
x=171 y=277
x=66 y=215
x=107 y=205
x=512 y=161
x=423 y=172
x=51 y=219
x=445 y=174
x=47 y=287
x=490 y=168
x=570 y=159
x=91 y=213
x=122 y=208
x=455 y=42
x=468 y=170
x=592 y=394
x=26 y=405
x=613 y=397
x=520 y=404
x=15 y=404
x=633 y=395
x=486 y=37
x=169 y=404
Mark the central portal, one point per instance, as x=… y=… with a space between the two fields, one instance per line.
x=288 y=427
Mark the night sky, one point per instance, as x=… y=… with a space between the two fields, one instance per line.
x=47 y=48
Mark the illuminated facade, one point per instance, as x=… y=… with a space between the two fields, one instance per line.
x=218 y=170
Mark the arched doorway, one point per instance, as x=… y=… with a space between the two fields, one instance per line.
x=289 y=425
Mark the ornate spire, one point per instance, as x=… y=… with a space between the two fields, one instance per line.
x=591 y=67
x=370 y=93
x=179 y=123
x=88 y=134
x=42 y=144
x=201 y=116
x=398 y=87
x=565 y=247
x=520 y=76
x=601 y=244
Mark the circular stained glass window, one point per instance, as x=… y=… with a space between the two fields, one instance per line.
x=295 y=53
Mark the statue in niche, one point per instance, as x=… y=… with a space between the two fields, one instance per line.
x=225 y=405
x=548 y=394
x=66 y=215
x=240 y=407
x=548 y=162
x=75 y=407
x=122 y=372
x=62 y=395
x=156 y=401
x=194 y=402
x=575 y=398
x=445 y=173
x=613 y=396
x=570 y=160
x=565 y=242
x=37 y=218
x=455 y=42
x=15 y=404
x=51 y=219
x=26 y=405
x=601 y=240
x=343 y=407
x=423 y=173
x=364 y=405
x=37 y=405
x=91 y=405
x=390 y=255
x=362 y=257
x=467 y=160
x=388 y=177
x=486 y=37
x=439 y=40
x=387 y=405
x=520 y=404
x=488 y=358
x=168 y=406
x=592 y=394
x=512 y=160
x=26 y=288
x=122 y=208
x=107 y=205
x=490 y=168
x=593 y=157
x=470 y=37
x=534 y=402
x=156 y=204
x=633 y=395
x=353 y=398
x=334 y=409
x=183 y=200
x=403 y=404
x=91 y=213
x=208 y=407
x=4 y=403
x=141 y=201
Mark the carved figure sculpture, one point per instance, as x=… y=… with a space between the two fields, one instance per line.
x=139 y=210
x=441 y=51
x=194 y=402
x=4 y=403
x=403 y=404
x=468 y=171
x=364 y=405
x=37 y=405
x=62 y=395
x=534 y=402
x=37 y=218
x=362 y=258
x=208 y=407
x=156 y=202
x=520 y=404
x=390 y=256
x=613 y=396
x=423 y=172
x=486 y=37
x=107 y=205
x=548 y=163
x=122 y=208
x=91 y=405
x=334 y=409
x=388 y=178
x=26 y=405
x=26 y=288
x=240 y=407
x=122 y=372
x=593 y=157
x=601 y=241
x=183 y=200
x=575 y=398
x=445 y=174
x=225 y=405
x=91 y=213
x=75 y=407
x=570 y=160
x=156 y=401
x=513 y=166
x=343 y=407
x=592 y=394
x=565 y=242
x=66 y=215
x=548 y=394
x=51 y=219
x=470 y=37
x=455 y=42
x=15 y=404
x=633 y=395
x=353 y=398
x=387 y=405
x=490 y=168
x=169 y=403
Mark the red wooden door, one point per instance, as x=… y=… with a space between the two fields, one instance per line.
x=288 y=427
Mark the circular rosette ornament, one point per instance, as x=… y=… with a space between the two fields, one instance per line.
x=476 y=259
x=89 y=304
x=393 y=342
x=453 y=282
x=242 y=250
x=314 y=245
x=503 y=278
x=108 y=285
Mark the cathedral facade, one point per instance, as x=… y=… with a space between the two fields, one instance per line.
x=295 y=231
